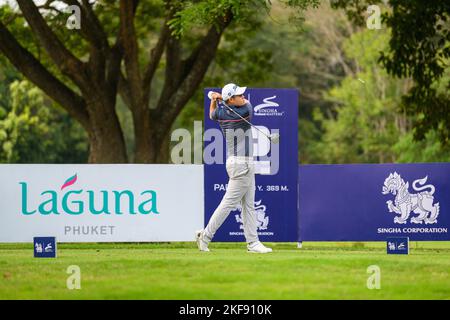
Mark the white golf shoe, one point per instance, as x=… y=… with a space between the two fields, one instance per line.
x=258 y=247
x=202 y=244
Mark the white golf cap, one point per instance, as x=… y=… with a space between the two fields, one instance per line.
x=232 y=90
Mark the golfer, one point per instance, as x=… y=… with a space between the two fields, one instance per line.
x=239 y=166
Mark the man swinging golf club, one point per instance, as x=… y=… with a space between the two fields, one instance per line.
x=233 y=117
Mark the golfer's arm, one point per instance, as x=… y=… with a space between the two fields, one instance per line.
x=250 y=110
x=212 y=107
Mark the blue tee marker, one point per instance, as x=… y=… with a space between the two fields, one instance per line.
x=44 y=247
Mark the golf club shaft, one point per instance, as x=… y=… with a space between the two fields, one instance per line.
x=268 y=137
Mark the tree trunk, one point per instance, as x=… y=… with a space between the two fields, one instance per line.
x=106 y=141
x=163 y=155
x=144 y=137
x=152 y=140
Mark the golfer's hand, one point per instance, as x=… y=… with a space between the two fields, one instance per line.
x=216 y=96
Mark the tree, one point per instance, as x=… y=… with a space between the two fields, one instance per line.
x=367 y=124
x=108 y=59
x=419 y=48
x=367 y=127
x=35 y=130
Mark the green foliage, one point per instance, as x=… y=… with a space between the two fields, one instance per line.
x=355 y=9
x=210 y=12
x=430 y=149
x=56 y=20
x=368 y=126
x=299 y=7
x=262 y=51
x=241 y=58
x=7 y=75
x=361 y=119
x=35 y=131
x=419 y=48
x=244 y=57
x=423 y=54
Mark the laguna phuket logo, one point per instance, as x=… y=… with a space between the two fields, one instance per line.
x=69 y=182
x=405 y=202
x=268 y=108
x=80 y=201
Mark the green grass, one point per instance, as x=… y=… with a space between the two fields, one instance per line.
x=179 y=271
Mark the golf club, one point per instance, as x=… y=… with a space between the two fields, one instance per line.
x=273 y=137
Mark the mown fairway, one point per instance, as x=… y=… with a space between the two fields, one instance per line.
x=179 y=271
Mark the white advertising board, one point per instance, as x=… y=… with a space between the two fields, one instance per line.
x=101 y=203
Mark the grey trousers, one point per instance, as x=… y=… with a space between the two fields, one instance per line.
x=240 y=190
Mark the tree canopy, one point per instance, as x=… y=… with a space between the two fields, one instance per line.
x=419 y=47
x=119 y=49
x=113 y=90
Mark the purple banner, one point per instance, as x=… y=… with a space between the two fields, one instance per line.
x=274 y=111
x=372 y=202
